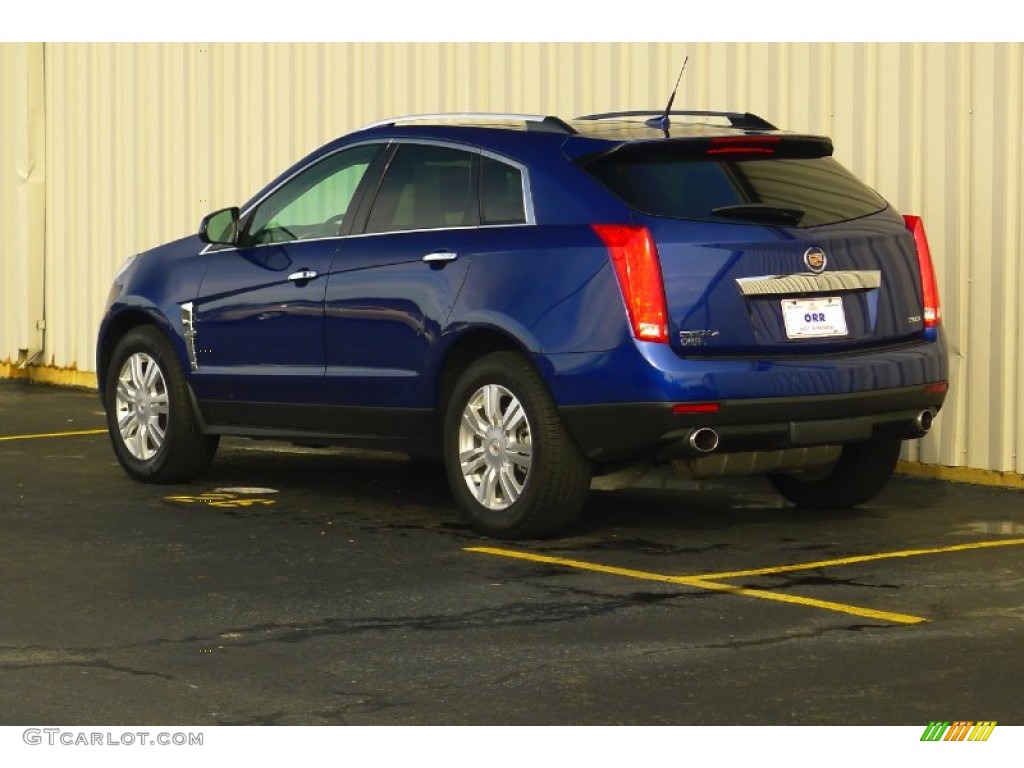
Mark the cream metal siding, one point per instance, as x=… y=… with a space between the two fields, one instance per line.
x=142 y=139
x=22 y=227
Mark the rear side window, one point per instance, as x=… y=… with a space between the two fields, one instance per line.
x=793 y=191
x=426 y=187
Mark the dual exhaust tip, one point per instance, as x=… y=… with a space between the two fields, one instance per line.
x=704 y=440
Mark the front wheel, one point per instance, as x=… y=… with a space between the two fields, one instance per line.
x=860 y=474
x=152 y=427
x=513 y=468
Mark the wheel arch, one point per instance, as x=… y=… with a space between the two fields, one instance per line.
x=154 y=423
x=468 y=347
x=117 y=327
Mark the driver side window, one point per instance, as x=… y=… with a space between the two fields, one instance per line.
x=314 y=203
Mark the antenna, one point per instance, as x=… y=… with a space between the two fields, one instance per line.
x=662 y=121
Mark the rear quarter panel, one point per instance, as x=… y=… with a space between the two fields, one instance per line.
x=551 y=288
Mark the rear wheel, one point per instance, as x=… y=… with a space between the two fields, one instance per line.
x=860 y=474
x=514 y=470
x=152 y=427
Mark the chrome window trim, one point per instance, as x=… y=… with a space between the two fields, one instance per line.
x=527 y=191
x=226 y=248
x=435 y=229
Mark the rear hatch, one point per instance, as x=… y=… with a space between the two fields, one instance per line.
x=768 y=246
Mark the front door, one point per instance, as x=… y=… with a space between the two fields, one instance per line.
x=259 y=315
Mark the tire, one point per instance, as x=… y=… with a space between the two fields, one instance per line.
x=152 y=427
x=512 y=467
x=860 y=474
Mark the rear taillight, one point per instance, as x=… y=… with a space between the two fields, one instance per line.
x=638 y=269
x=929 y=286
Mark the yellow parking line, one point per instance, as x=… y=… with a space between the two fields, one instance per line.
x=828 y=605
x=860 y=559
x=54 y=434
x=578 y=564
x=702 y=583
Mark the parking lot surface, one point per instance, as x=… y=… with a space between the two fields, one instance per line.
x=298 y=586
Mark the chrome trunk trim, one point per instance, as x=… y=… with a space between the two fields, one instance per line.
x=806 y=282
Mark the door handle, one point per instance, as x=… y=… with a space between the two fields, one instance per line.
x=302 y=275
x=439 y=257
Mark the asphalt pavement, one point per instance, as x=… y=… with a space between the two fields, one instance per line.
x=328 y=587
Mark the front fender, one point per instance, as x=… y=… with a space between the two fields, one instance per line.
x=152 y=291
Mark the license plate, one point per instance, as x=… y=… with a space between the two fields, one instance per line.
x=814 y=318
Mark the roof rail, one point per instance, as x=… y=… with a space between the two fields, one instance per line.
x=745 y=120
x=544 y=123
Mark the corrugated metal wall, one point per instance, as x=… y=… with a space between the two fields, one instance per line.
x=142 y=139
x=22 y=222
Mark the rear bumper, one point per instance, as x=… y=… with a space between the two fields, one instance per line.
x=618 y=404
x=610 y=432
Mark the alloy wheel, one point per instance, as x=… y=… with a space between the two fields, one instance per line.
x=495 y=446
x=141 y=404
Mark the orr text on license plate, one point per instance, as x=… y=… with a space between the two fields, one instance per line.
x=814 y=318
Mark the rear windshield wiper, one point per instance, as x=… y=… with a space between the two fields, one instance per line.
x=760 y=213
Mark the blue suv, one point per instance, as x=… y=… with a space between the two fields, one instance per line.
x=538 y=303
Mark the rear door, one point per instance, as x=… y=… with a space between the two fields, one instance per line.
x=768 y=246
x=393 y=285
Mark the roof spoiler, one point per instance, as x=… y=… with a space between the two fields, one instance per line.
x=742 y=120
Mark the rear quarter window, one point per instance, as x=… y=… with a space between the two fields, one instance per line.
x=501 y=193
x=692 y=187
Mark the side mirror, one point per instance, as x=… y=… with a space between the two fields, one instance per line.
x=220 y=227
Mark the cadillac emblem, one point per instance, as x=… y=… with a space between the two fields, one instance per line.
x=815 y=260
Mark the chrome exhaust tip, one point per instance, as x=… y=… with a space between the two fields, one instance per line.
x=923 y=422
x=920 y=425
x=702 y=440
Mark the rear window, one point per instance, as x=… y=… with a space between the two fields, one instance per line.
x=790 y=191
